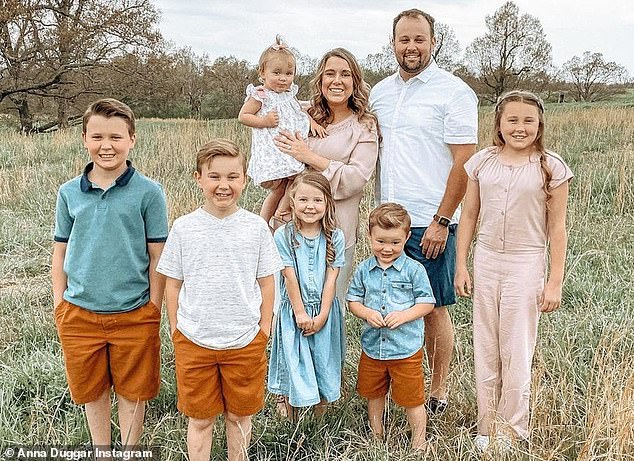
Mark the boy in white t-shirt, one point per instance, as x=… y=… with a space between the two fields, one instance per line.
x=220 y=260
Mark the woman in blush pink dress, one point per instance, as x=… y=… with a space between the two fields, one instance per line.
x=347 y=155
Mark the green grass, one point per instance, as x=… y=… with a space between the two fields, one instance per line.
x=583 y=382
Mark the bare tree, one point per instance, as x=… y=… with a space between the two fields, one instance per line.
x=447 y=51
x=592 y=78
x=513 y=53
x=50 y=47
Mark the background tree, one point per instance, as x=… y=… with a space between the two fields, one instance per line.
x=447 y=51
x=51 y=48
x=592 y=78
x=513 y=53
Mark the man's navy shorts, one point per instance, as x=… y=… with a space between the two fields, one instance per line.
x=441 y=271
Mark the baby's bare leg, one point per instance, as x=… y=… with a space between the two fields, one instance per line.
x=271 y=202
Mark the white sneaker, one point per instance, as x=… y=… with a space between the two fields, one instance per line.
x=482 y=442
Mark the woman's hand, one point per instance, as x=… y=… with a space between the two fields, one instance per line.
x=293 y=145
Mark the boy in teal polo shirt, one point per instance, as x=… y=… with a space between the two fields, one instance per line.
x=110 y=228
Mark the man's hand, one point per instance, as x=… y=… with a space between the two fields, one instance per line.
x=434 y=240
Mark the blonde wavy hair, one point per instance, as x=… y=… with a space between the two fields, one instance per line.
x=532 y=99
x=328 y=221
x=358 y=101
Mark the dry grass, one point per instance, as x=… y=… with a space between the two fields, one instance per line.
x=583 y=381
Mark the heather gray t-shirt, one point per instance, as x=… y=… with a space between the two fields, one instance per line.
x=219 y=262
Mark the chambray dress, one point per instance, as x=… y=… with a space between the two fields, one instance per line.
x=267 y=162
x=307 y=369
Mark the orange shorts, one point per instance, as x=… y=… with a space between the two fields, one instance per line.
x=119 y=350
x=210 y=381
x=405 y=376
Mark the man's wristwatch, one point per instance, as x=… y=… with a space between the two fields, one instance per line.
x=442 y=220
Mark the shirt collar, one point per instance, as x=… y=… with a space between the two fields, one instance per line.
x=397 y=264
x=424 y=75
x=122 y=180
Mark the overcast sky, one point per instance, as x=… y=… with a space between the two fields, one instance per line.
x=244 y=28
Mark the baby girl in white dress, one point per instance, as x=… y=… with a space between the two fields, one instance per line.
x=267 y=110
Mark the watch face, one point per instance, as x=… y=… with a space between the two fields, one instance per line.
x=442 y=220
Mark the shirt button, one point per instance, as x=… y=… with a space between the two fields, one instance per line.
x=383 y=307
x=501 y=239
x=505 y=189
x=502 y=213
x=383 y=291
x=382 y=339
x=384 y=274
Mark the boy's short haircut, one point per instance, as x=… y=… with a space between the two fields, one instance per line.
x=109 y=107
x=219 y=147
x=390 y=216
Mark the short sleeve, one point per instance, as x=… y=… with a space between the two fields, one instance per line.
x=63 y=220
x=339 y=242
x=423 y=293
x=284 y=247
x=356 y=289
x=155 y=216
x=461 y=117
x=269 y=259
x=472 y=166
x=171 y=261
x=561 y=172
x=256 y=93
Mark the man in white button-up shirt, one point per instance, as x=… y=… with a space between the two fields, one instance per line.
x=428 y=119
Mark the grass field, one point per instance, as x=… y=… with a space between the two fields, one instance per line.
x=583 y=381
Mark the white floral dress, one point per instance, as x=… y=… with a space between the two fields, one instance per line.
x=267 y=162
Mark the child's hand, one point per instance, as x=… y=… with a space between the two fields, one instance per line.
x=462 y=282
x=271 y=119
x=550 y=299
x=317 y=130
x=375 y=319
x=303 y=321
x=396 y=319
x=318 y=323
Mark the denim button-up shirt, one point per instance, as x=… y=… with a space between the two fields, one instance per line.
x=397 y=288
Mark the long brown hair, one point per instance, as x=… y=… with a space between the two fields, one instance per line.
x=532 y=99
x=328 y=221
x=358 y=101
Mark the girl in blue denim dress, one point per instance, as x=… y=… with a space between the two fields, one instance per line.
x=308 y=339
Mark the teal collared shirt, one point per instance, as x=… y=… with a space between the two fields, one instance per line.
x=107 y=232
x=397 y=288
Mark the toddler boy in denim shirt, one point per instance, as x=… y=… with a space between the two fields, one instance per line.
x=391 y=292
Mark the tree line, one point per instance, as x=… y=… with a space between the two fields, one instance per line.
x=57 y=55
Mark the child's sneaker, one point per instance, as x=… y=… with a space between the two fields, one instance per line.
x=481 y=442
x=436 y=406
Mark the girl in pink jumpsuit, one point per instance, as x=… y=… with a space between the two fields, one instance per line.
x=517 y=191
